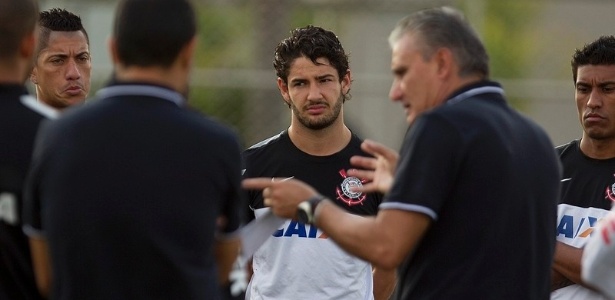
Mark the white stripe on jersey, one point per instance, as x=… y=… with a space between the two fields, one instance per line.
x=39 y=107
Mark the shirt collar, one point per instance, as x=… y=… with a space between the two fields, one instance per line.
x=141 y=89
x=481 y=87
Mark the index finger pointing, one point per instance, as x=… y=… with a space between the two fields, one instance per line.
x=256 y=183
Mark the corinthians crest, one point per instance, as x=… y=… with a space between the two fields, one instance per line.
x=610 y=192
x=345 y=193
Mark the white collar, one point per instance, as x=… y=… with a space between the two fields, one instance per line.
x=141 y=90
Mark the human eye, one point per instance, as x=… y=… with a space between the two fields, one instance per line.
x=56 y=61
x=399 y=72
x=609 y=88
x=582 y=89
x=84 y=57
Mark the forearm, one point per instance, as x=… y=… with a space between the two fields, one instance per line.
x=384 y=240
x=353 y=233
x=384 y=283
x=42 y=265
x=225 y=252
x=567 y=262
x=559 y=281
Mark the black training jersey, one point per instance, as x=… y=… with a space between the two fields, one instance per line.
x=489 y=179
x=586 y=182
x=131 y=192
x=302 y=253
x=279 y=157
x=20 y=116
x=587 y=195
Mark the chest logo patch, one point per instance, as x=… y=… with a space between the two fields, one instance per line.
x=610 y=192
x=346 y=194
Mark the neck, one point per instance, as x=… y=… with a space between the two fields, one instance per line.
x=13 y=73
x=598 y=149
x=320 y=142
x=171 y=77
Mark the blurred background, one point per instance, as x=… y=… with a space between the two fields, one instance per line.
x=530 y=43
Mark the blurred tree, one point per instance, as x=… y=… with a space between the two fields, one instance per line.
x=505 y=28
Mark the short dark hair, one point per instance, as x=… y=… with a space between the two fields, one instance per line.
x=598 y=52
x=17 y=20
x=312 y=42
x=57 y=19
x=445 y=27
x=153 y=32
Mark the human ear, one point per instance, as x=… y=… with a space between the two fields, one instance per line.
x=283 y=87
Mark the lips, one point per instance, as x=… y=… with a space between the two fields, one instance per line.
x=73 y=90
x=594 y=118
x=316 y=109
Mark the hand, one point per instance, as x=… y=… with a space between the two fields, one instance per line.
x=282 y=195
x=378 y=170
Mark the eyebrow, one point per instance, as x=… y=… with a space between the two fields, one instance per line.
x=324 y=76
x=64 y=55
x=600 y=84
x=302 y=79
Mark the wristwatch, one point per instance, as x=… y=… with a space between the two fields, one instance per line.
x=306 y=209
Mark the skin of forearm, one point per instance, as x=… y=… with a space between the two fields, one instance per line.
x=567 y=262
x=374 y=239
x=384 y=283
x=344 y=228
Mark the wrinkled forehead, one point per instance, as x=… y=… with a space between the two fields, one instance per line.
x=596 y=74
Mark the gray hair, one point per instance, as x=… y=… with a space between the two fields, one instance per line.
x=446 y=27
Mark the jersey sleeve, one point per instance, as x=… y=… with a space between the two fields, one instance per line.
x=598 y=262
x=429 y=162
x=32 y=207
x=233 y=206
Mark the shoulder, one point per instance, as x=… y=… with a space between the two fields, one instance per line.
x=567 y=148
x=267 y=144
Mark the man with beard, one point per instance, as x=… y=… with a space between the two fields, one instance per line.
x=299 y=261
x=470 y=199
x=62 y=63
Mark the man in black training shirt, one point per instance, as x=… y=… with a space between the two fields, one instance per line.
x=470 y=205
x=135 y=194
x=20 y=115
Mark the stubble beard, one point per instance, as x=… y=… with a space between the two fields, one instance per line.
x=322 y=121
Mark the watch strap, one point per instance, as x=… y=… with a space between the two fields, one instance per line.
x=308 y=207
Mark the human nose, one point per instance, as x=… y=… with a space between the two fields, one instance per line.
x=314 y=92
x=395 y=93
x=594 y=100
x=72 y=70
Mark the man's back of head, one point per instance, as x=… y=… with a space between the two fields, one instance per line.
x=152 y=32
x=17 y=22
x=153 y=41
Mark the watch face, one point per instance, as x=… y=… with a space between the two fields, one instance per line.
x=302 y=216
x=304 y=212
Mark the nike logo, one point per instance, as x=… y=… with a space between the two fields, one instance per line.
x=566 y=179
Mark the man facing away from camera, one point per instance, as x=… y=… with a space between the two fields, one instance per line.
x=135 y=195
x=20 y=115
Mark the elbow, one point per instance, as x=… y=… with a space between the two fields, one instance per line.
x=44 y=288
x=386 y=258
